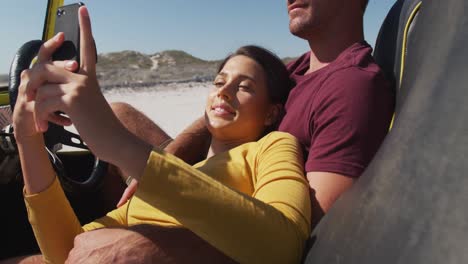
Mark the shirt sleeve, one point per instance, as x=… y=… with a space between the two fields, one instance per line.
x=353 y=112
x=55 y=224
x=270 y=227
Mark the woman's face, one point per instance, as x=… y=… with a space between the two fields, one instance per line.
x=238 y=106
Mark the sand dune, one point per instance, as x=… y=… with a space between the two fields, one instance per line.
x=172 y=106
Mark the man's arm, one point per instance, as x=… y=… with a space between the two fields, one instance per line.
x=192 y=144
x=326 y=187
x=144 y=244
x=351 y=120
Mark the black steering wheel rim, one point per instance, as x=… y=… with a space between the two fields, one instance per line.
x=55 y=134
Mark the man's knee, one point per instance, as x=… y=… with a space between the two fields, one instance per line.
x=120 y=106
x=139 y=124
x=122 y=110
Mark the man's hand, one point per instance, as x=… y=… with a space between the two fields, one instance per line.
x=114 y=246
x=144 y=244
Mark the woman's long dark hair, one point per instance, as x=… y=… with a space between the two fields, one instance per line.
x=278 y=82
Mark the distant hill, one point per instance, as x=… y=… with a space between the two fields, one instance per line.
x=134 y=69
x=131 y=68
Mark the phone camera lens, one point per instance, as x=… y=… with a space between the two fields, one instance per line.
x=59 y=12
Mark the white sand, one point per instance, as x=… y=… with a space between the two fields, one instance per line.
x=172 y=106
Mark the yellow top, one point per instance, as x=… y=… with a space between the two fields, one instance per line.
x=251 y=202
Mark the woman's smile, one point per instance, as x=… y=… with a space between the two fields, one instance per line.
x=223 y=110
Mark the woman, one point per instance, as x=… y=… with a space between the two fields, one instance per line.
x=249 y=198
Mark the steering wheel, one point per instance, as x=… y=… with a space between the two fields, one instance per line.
x=55 y=135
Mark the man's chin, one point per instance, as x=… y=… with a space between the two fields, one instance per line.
x=299 y=29
x=299 y=33
x=303 y=31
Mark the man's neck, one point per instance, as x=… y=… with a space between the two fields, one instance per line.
x=326 y=46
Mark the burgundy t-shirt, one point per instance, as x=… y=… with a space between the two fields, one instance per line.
x=340 y=113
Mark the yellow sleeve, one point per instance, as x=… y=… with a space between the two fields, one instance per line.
x=55 y=224
x=281 y=182
x=243 y=227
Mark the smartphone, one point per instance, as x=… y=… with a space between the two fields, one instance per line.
x=67 y=22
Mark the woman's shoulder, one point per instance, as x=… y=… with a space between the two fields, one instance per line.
x=278 y=137
x=274 y=142
x=279 y=146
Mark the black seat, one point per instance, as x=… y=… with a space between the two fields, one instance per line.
x=394 y=42
x=409 y=206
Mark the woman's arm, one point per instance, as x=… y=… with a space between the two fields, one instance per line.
x=38 y=173
x=52 y=218
x=270 y=227
x=37 y=170
x=55 y=224
x=53 y=221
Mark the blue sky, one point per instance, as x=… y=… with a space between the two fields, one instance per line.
x=208 y=29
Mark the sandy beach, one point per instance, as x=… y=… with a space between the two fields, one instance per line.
x=172 y=106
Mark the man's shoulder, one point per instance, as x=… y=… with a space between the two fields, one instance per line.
x=355 y=69
x=353 y=74
x=358 y=57
x=354 y=84
x=300 y=62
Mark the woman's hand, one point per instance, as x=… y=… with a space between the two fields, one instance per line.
x=53 y=87
x=129 y=192
x=37 y=170
x=24 y=118
x=50 y=87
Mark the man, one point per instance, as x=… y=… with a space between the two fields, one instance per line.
x=339 y=110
